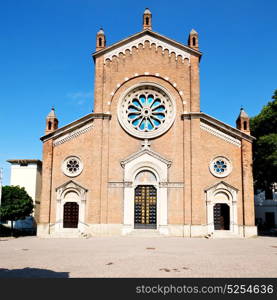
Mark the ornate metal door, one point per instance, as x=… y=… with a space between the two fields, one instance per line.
x=70 y=215
x=145 y=207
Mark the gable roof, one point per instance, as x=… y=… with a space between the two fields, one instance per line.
x=151 y=33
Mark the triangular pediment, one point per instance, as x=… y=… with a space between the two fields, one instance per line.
x=140 y=38
x=221 y=185
x=71 y=184
x=146 y=151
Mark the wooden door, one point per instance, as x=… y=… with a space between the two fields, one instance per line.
x=70 y=215
x=221 y=216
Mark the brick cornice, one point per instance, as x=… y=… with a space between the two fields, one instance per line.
x=234 y=132
x=75 y=125
x=150 y=33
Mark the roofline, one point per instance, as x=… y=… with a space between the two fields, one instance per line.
x=20 y=161
x=191 y=115
x=223 y=126
x=134 y=36
x=74 y=125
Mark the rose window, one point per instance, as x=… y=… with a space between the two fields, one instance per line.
x=220 y=167
x=146 y=112
x=72 y=166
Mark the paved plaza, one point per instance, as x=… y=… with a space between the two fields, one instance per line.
x=138 y=257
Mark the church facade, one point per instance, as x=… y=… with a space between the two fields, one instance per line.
x=147 y=160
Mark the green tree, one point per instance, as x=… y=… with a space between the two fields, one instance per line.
x=264 y=128
x=16 y=204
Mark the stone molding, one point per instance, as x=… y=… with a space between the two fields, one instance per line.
x=214 y=123
x=220 y=134
x=75 y=125
x=145 y=151
x=171 y=184
x=70 y=185
x=221 y=186
x=161 y=184
x=119 y=184
x=73 y=134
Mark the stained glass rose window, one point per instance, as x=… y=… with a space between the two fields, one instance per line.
x=146 y=111
x=72 y=166
x=220 y=166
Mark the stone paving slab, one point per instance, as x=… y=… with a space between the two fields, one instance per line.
x=138 y=257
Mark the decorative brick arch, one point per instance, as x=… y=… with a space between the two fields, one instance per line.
x=152 y=77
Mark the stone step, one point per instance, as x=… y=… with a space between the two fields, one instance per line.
x=67 y=234
x=145 y=233
x=223 y=234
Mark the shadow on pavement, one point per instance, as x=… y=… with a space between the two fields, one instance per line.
x=270 y=232
x=32 y=273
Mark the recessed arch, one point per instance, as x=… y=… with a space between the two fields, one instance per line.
x=73 y=193
x=221 y=196
x=155 y=169
x=221 y=206
x=145 y=176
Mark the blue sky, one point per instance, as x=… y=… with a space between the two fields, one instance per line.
x=46 y=59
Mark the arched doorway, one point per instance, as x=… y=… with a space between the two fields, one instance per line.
x=70 y=192
x=145 y=214
x=222 y=193
x=145 y=168
x=71 y=210
x=221 y=216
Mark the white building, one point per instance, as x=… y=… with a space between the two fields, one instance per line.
x=27 y=173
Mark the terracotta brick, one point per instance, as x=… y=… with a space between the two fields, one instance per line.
x=189 y=147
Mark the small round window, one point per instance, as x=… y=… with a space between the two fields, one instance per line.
x=220 y=166
x=72 y=166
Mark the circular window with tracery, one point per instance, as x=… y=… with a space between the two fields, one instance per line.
x=72 y=166
x=146 y=111
x=220 y=166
